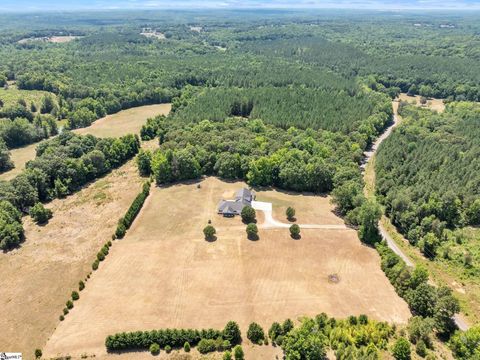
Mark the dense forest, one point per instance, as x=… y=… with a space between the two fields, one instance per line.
x=428 y=176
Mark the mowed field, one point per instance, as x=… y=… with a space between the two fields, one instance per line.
x=125 y=122
x=38 y=278
x=164 y=274
x=122 y=123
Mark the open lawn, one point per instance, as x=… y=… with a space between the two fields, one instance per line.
x=37 y=278
x=165 y=274
x=124 y=122
x=11 y=96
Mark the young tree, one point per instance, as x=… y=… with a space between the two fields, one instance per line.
x=252 y=231
x=186 y=347
x=295 y=231
x=238 y=353
x=275 y=330
x=287 y=326
x=227 y=355
x=369 y=215
x=255 y=333
x=38 y=353
x=248 y=214
x=232 y=333
x=75 y=296
x=154 y=349
x=209 y=232
x=48 y=104
x=401 y=349
x=290 y=213
x=144 y=159
x=40 y=214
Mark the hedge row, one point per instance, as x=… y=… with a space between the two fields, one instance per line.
x=125 y=222
x=176 y=338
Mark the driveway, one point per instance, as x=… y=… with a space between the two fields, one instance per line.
x=271 y=223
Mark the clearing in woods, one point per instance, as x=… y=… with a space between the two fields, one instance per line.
x=122 y=123
x=38 y=278
x=12 y=94
x=165 y=274
x=432 y=104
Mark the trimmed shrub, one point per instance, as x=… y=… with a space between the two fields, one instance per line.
x=238 y=353
x=65 y=311
x=61 y=318
x=206 y=345
x=40 y=214
x=120 y=232
x=401 y=349
x=176 y=338
x=168 y=349
x=95 y=264
x=295 y=231
x=255 y=333
x=186 y=347
x=154 y=349
x=100 y=256
x=252 y=231
x=248 y=214
x=209 y=232
x=69 y=304
x=81 y=285
x=290 y=213
x=75 y=296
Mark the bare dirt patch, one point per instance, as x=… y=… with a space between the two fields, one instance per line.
x=38 y=277
x=52 y=39
x=164 y=274
x=432 y=104
x=124 y=122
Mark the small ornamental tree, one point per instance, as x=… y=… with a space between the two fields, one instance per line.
x=168 y=349
x=248 y=214
x=154 y=349
x=209 y=232
x=255 y=333
x=290 y=213
x=81 y=285
x=275 y=330
x=238 y=353
x=40 y=214
x=252 y=231
x=401 y=349
x=232 y=333
x=38 y=353
x=69 y=304
x=75 y=296
x=295 y=231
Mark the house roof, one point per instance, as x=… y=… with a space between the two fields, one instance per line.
x=244 y=194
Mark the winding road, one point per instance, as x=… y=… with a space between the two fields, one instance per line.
x=369 y=154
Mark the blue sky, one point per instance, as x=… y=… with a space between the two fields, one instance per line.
x=35 y=5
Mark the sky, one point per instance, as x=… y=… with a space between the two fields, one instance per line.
x=47 y=5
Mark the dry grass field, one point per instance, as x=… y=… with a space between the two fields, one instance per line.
x=38 y=278
x=125 y=122
x=432 y=104
x=164 y=274
x=20 y=157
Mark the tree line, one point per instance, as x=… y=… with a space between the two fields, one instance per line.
x=428 y=176
x=62 y=166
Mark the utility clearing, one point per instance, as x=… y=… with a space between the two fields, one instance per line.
x=165 y=274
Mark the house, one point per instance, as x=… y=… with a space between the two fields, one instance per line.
x=230 y=208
